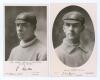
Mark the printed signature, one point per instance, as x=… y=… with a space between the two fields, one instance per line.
x=24 y=67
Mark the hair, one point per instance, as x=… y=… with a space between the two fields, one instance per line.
x=33 y=25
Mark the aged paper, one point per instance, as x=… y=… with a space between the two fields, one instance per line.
x=26 y=23
x=57 y=66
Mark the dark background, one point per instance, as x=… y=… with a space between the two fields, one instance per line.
x=87 y=36
x=11 y=39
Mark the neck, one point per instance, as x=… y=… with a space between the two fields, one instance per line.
x=23 y=44
x=73 y=41
x=28 y=40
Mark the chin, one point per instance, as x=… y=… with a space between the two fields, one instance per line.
x=71 y=37
x=20 y=38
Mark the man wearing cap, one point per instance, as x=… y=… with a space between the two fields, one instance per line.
x=30 y=48
x=72 y=52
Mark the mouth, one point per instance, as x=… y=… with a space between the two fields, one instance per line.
x=71 y=33
x=20 y=34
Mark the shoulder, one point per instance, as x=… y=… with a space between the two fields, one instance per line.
x=60 y=52
x=16 y=48
x=87 y=50
x=86 y=47
x=41 y=50
x=40 y=47
x=13 y=53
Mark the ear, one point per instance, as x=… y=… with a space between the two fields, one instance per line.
x=33 y=27
x=82 y=29
x=63 y=28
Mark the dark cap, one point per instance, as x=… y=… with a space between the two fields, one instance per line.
x=26 y=17
x=74 y=17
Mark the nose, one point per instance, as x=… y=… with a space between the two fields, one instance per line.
x=71 y=27
x=20 y=28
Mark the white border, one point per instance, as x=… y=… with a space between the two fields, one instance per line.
x=3 y=2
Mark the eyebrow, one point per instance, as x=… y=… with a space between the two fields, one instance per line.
x=20 y=23
x=72 y=23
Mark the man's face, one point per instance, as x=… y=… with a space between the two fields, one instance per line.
x=72 y=30
x=25 y=31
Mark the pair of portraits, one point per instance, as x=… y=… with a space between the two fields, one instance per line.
x=73 y=34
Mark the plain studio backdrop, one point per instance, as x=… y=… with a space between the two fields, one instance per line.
x=11 y=39
x=87 y=36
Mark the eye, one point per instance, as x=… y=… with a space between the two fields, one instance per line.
x=23 y=25
x=17 y=25
x=67 y=24
x=76 y=25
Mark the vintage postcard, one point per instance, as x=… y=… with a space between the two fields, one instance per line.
x=73 y=39
x=26 y=40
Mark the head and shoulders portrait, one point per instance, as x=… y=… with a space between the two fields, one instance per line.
x=29 y=25
x=73 y=36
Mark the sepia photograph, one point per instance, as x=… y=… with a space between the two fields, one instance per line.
x=73 y=36
x=26 y=40
x=73 y=40
x=25 y=33
x=50 y=40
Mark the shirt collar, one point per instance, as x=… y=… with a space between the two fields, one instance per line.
x=70 y=47
x=83 y=47
x=23 y=44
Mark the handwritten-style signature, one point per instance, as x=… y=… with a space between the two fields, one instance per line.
x=24 y=67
